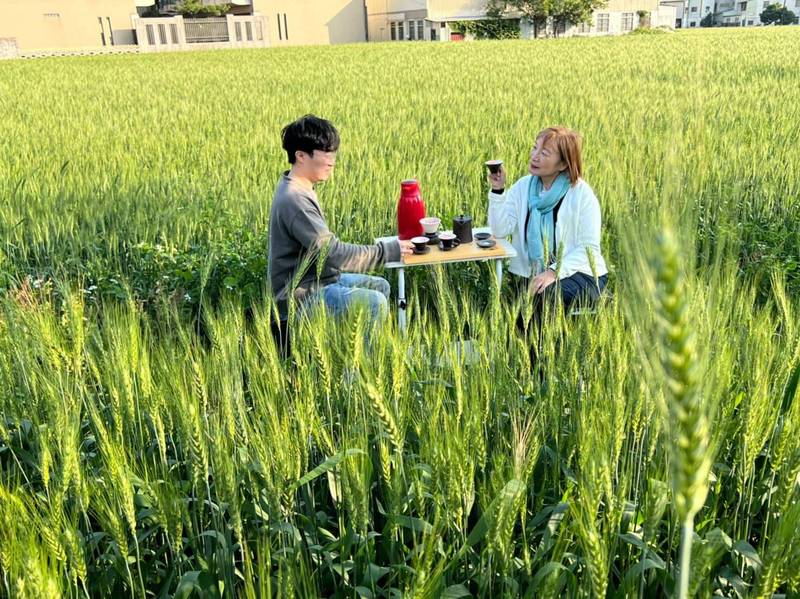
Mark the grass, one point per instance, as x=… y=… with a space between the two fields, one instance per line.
x=152 y=441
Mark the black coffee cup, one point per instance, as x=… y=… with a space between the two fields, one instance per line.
x=448 y=240
x=420 y=243
x=494 y=166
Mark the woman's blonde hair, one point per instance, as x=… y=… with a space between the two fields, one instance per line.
x=568 y=144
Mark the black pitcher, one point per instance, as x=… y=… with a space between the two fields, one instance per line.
x=462 y=227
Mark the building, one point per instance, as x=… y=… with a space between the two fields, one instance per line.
x=724 y=13
x=312 y=22
x=42 y=25
x=433 y=20
x=677 y=6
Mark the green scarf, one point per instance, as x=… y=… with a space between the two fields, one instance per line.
x=541 y=227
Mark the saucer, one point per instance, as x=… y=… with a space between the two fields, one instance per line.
x=486 y=243
x=419 y=253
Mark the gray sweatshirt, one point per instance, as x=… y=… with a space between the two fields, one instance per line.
x=297 y=230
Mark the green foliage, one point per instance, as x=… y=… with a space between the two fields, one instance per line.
x=778 y=14
x=196 y=8
x=708 y=20
x=153 y=442
x=539 y=12
x=488 y=29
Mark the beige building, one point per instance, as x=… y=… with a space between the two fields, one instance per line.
x=40 y=25
x=28 y=26
x=311 y=22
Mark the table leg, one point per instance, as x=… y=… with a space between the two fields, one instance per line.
x=498 y=268
x=401 y=299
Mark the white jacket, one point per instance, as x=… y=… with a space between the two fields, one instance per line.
x=577 y=228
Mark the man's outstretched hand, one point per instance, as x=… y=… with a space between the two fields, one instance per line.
x=406 y=247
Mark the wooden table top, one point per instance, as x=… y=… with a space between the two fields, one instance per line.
x=466 y=252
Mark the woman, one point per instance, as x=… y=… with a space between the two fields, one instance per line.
x=553 y=217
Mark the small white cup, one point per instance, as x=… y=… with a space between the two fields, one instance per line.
x=430 y=224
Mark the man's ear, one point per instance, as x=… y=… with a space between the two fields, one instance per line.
x=300 y=157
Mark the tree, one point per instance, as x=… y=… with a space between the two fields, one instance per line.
x=708 y=20
x=778 y=14
x=539 y=11
x=574 y=11
x=195 y=8
x=536 y=11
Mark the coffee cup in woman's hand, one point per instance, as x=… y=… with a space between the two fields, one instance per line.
x=497 y=178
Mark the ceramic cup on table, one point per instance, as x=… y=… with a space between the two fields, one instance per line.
x=420 y=244
x=447 y=240
x=430 y=224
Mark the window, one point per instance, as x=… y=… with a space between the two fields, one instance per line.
x=238 y=28
x=743 y=7
x=627 y=21
x=420 y=30
x=400 y=33
x=750 y=22
x=162 y=34
x=173 y=30
x=602 y=22
x=248 y=29
x=433 y=32
x=393 y=29
x=259 y=32
x=283 y=35
x=52 y=15
x=151 y=36
x=692 y=24
x=693 y=9
x=412 y=30
x=584 y=28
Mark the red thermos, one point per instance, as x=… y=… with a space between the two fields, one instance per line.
x=410 y=209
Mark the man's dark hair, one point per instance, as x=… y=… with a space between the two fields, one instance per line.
x=309 y=133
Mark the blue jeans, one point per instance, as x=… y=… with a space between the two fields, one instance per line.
x=581 y=289
x=578 y=291
x=353 y=290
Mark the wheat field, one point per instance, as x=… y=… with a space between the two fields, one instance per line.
x=153 y=442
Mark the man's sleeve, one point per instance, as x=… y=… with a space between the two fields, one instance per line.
x=311 y=231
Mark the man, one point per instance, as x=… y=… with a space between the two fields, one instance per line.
x=299 y=237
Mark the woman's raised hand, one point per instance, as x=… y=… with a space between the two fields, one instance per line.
x=497 y=180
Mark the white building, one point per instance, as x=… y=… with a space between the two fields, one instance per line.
x=432 y=20
x=726 y=13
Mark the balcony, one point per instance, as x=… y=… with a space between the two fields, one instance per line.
x=164 y=34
